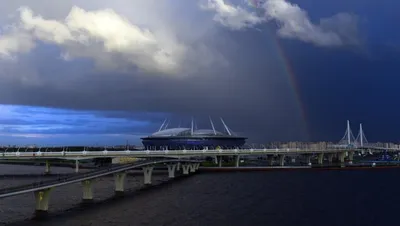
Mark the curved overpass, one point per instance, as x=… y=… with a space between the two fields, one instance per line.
x=42 y=189
x=12 y=191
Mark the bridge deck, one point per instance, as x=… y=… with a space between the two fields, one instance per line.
x=80 y=155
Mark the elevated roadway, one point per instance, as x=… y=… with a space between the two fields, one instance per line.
x=42 y=189
x=80 y=155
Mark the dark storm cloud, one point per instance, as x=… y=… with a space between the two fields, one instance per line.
x=248 y=93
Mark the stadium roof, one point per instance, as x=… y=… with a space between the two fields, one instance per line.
x=191 y=131
x=186 y=132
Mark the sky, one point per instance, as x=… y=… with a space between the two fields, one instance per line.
x=109 y=72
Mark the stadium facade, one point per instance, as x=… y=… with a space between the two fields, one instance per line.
x=192 y=138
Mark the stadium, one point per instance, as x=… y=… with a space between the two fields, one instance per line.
x=192 y=138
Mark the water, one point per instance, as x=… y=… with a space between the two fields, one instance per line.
x=316 y=197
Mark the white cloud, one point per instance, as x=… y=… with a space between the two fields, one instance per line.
x=119 y=36
x=293 y=22
x=83 y=32
x=15 y=42
x=345 y=25
x=234 y=17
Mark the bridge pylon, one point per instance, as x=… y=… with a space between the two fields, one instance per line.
x=348 y=138
x=361 y=140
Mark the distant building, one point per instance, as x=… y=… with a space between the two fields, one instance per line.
x=191 y=138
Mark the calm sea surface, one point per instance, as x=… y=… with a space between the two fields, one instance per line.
x=322 y=198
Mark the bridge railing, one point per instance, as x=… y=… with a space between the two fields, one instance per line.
x=158 y=152
x=247 y=147
x=58 y=150
x=174 y=153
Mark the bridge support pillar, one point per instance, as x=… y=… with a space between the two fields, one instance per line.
x=308 y=159
x=76 y=166
x=171 y=170
x=219 y=161
x=270 y=160
x=185 y=168
x=237 y=162
x=87 y=191
x=330 y=158
x=119 y=179
x=178 y=166
x=216 y=159
x=321 y=158
x=192 y=167
x=197 y=166
x=148 y=170
x=42 y=198
x=47 y=168
x=282 y=160
x=341 y=157
x=351 y=156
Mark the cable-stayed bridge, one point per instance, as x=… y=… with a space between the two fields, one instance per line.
x=350 y=141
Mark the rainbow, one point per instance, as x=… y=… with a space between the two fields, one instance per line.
x=286 y=65
x=291 y=76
